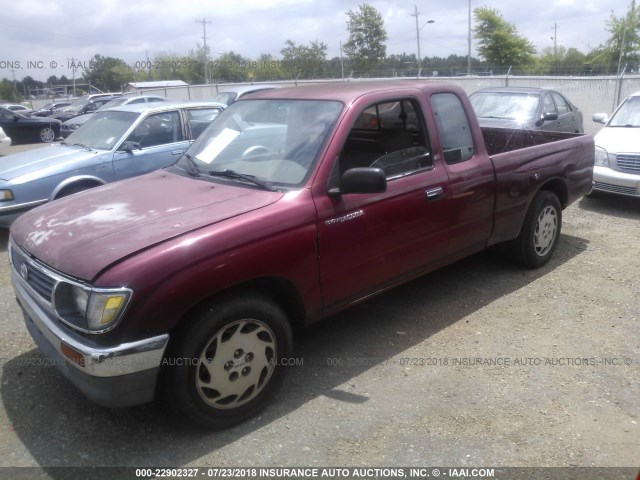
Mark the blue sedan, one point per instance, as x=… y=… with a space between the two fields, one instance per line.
x=113 y=145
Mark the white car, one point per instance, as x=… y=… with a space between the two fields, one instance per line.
x=5 y=143
x=617 y=166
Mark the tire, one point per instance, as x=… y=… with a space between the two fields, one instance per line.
x=223 y=367
x=47 y=134
x=74 y=189
x=540 y=232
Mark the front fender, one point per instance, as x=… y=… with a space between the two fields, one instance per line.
x=74 y=180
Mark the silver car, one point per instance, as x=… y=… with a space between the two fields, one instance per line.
x=617 y=165
x=115 y=144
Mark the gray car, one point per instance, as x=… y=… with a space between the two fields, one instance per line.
x=73 y=124
x=114 y=144
x=526 y=108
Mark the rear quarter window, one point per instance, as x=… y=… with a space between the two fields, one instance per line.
x=453 y=127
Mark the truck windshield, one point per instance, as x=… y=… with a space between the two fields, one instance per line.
x=628 y=115
x=272 y=141
x=103 y=130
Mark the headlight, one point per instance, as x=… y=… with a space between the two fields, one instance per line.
x=89 y=309
x=6 y=195
x=602 y=157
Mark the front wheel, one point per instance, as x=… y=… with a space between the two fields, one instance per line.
x=540 y=232
x=223 y=367
x=47 y=134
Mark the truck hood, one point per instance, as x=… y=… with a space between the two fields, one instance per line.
x=618 y=140
x=24 y=163
x=82 y=234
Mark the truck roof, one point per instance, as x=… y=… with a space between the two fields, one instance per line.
x=348 y=91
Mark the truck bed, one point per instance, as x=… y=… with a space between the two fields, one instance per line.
x=501 y=140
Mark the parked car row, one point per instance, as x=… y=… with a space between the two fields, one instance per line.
x=618 y=155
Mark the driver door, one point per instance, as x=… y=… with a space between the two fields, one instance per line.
x=370 y=241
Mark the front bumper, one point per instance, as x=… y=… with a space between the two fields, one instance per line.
x=608 y=180
x=118 y=376
x=9 y=213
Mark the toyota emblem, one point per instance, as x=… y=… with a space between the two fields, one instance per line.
x=24 y=271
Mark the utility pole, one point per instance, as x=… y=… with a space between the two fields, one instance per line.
x=469 y=41
x=416 y=14
x=73 y=75
x=341 y=61
x=204 y=22
x=555 y=41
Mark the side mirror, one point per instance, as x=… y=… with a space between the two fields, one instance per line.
x=600 y=118
x=546 y=117
x=130 y=146
x=363 y=180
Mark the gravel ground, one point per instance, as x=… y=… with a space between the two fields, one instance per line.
x=479 y=364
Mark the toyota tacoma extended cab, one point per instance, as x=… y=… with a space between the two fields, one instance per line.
x=186 y=283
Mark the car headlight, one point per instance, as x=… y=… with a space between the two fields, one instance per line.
x=602 y=157
x=90 y=309
x=6 y=195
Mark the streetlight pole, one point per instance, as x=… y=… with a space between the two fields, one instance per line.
x=417 y=14
x=469 y=42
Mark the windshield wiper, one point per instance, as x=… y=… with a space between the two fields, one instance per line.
x=81 y=145
x=192 y=167
x=242 y=176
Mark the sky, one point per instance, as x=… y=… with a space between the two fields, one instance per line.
x=39 y=37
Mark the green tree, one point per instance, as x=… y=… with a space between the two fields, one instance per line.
x=107 y=73
x=605 y=58
x=231 y=67
x=365 y=47
x=561 y=61
x=8 y=91
x=304 y=61
x=268 y=68
x=499 y=43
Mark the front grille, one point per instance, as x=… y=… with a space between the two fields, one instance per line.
x=37 y=279
x=615 y=188
x=628 y=162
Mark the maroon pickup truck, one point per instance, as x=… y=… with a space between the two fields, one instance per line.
x=186 y=283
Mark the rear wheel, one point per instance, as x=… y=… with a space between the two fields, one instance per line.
x=47 y=134
x=540 y=232
x=223 y=367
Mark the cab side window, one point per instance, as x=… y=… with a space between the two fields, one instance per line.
x=389 y=136
x=453 y=126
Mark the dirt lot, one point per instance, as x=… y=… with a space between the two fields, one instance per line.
x=479 y=364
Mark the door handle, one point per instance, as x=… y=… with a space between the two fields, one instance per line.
x=434 y=193
x=177 y=152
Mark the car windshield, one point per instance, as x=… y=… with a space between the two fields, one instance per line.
x=103 y=130
x=113 y=103
x=520 y=107
x=628 y=115
x=225 y=97
x=78 y=104
x=275 y=142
